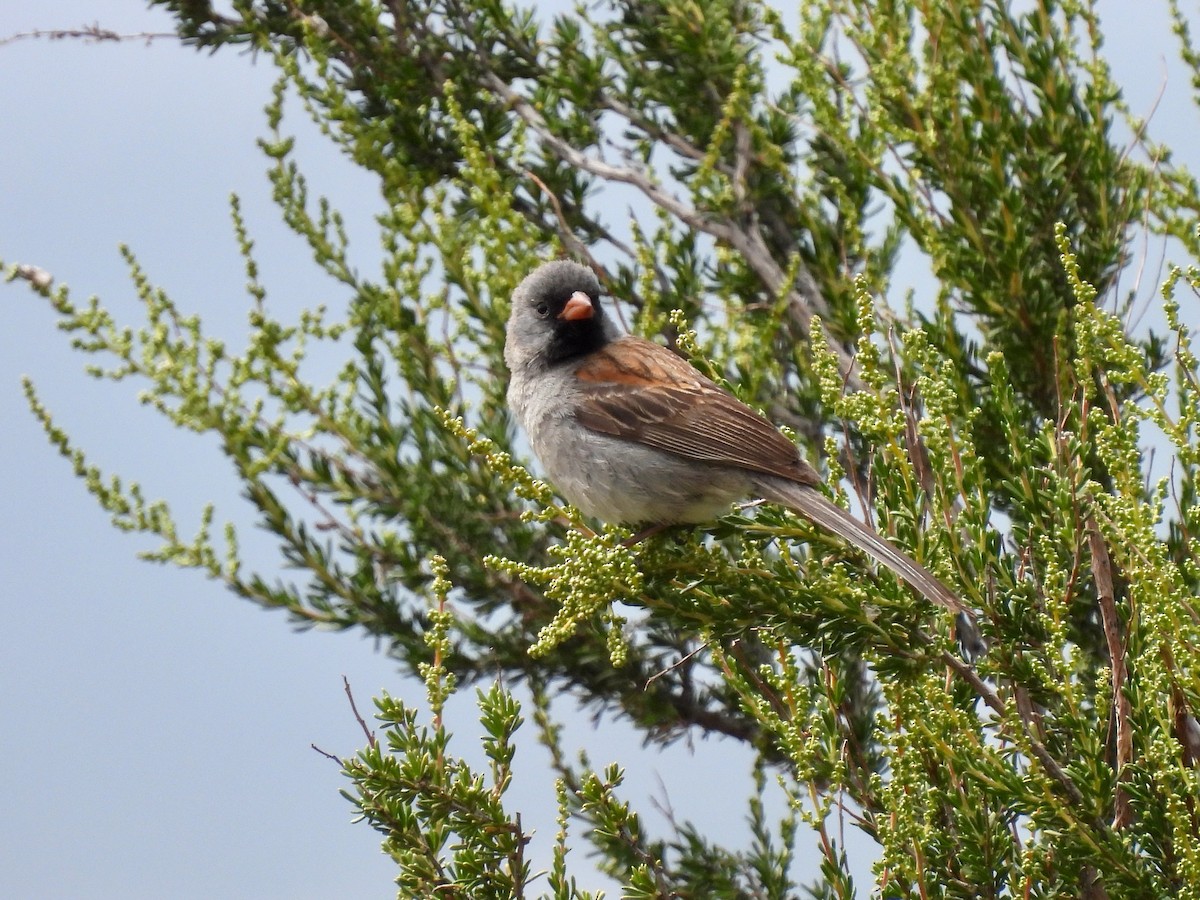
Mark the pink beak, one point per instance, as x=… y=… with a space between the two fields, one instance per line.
x=578 y=307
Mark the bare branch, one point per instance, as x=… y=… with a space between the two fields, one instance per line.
x=1102 y=573
x=672 y=139
x=357 y=715
x=89 y=34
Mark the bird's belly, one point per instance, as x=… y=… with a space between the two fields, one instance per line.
x=619 y=481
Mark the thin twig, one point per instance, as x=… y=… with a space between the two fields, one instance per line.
x=328 y=755
x=675 y=665
x=1122 y=712
x=354 y=706
x=564 y=227
x=91 y=34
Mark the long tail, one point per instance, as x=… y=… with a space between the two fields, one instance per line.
x=811 y=503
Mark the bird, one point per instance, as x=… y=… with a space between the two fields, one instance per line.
x=631 y=433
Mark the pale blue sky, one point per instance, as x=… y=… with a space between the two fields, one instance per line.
x=155 y=729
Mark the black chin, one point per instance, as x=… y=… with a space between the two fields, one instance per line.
x=574 y=339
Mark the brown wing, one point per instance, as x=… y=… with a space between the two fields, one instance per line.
x=639 y=391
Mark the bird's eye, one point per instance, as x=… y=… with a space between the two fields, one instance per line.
x=543 y=309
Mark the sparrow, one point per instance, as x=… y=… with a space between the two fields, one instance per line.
x=631 y=433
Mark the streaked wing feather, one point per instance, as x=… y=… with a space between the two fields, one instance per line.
x=642 y=392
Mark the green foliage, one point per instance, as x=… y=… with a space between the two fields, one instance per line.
x=778 y=165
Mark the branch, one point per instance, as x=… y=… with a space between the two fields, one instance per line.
x=804 y=296
x=1102 y=572
x=992 y=699
x=89 y=34
x=357 y=715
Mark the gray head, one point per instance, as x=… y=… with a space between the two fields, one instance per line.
x=556 y=315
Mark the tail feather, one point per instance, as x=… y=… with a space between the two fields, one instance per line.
x=812 y=504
